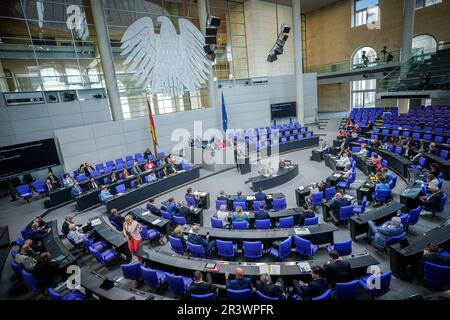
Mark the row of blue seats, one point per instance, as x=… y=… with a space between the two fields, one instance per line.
x=277 y=204
x=180 y=285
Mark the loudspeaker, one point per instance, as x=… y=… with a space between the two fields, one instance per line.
x=285 y=28
x=210 y=54
x=277 y=48
x=214 y=21
x=211 y=31
x=210 y=40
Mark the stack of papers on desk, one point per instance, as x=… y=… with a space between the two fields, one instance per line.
x=146 y=213
x=96 y=222
x=348 y=197
x=250 y=198
x=337 y=175
x=301 y=188
x=273 y=269
x=156 y=221
x=200 y=194
x=269 y=196
x=304 y=267
x=302 y=231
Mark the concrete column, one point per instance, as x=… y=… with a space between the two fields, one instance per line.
x=106 y=59
x=203 y=16
x=408 y=31
x=298 y=58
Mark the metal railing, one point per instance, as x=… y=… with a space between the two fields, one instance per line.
x=354 y=64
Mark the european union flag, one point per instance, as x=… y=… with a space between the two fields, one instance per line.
x=224 y=115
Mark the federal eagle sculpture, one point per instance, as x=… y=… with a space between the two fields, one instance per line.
x=168 y=62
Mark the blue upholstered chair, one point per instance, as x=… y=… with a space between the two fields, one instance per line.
x=244 y=294
x=131 y=271
x=383 y=279
x=153 y=278
x=343 y=248
x=226 y=249
x=73 y=295
x=261 y=296
x=286 y=222
x=360 y=209
x=178 y=284
x=197 y=250
x=437 y=275
x=253 y=249
x=216 y=223
x=262 y=224
x=304 y=247
x=283 y=251
x=279 y=204
x=347 y=290
x=24 y=192
x=311 y=221
x=206 y=296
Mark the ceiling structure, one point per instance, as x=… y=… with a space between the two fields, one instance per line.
x=307 y=6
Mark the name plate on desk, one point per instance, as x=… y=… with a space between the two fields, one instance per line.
x=302 y=231
x=96 y=222
x=156 y=221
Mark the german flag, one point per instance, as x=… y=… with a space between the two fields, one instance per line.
x=152 y=126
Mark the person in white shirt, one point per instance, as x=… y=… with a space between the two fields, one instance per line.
x=343 y=161
x=222 y=214
x=75 y=234
x=67 y=181
x=363 y=151
x=347 y=172
x=432 y=181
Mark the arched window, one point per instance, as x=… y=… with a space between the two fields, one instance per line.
x=424 y=44
x=364 y=57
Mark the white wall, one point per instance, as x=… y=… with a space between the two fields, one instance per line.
x=25 y=123
x=247 y=107
x=262 y=23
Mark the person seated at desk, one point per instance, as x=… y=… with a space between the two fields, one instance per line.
x=384 y=145
x=199 y=201
x=40 y=265
x=169 y=159
x=421 y=153
x=363 y=151
x=383 y=233
x=67 y=180
x=105 y=195
x=282 y=164
x=432 y=148
x=407 y=151
x=200 y=286
x=261 y=214
x=433 y=201
x=152 y=177
x=115 y=217
x=75 y=234
x=337 y=270
x=270 y=289
x=376 y=162
x=125 y=174
x=239 y=215
x=240 y=283
x=48 y=186
x=195 y=238
x=343 y=161
x=76 y=190
x=434 y=254
x=81 y=169
x=93 y=185
x=186 y=212
x=347 y=172
x=36 y=233
x=315 y=189
x=222 y=214
x=342 y=134
x=432 y=181
x=42 y=225
x=149 y=165
x=164 y=172
x=172 y=206
x=381 y=184
x=138 y=181
x=260 y=195
x=434 y=170
x=313 y=289
x=307 y=213
x=336 y=204
x=53 y=179
x=388 y=174
x=222 y=195
x=68 y=220
x=375 y=143
x=136 y=170
x=113 y=177
x=239 y=197
x=152 y=207
x=88 y=169
x=178 y=233
x=147 y=153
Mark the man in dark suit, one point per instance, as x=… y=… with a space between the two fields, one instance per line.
x=433 y=201
x=222 y=196
x=270 y=289
x=261 y=214
x=337 y=270
x=260 y=195
x=93 y=185
x=435 y=255
x=313 y=289
x=116 y=218
x=195 y=238
x=202 y=287
x=152 y=207
x=136 y=170
x=88 y=169
x=336 y=204
x=48 y=186
x=307 y=213
x=185 y=212
x=241 y=282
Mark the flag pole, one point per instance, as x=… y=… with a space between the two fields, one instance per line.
x=152 y=124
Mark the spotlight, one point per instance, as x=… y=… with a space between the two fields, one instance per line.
x=278 y=47
x=210 y=54
x=214 y=21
